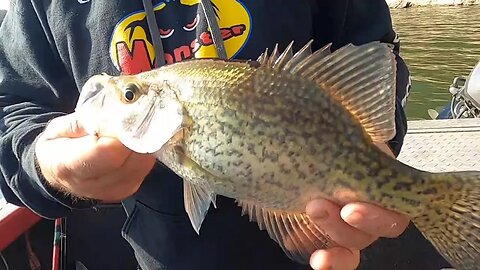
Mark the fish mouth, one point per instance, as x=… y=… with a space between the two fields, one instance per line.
x=92 y=89
x=143 y=126
x=92 y=105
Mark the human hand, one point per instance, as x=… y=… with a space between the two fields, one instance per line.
x=353 y=227
x=88 y=166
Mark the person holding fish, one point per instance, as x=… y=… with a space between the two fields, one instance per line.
x=301 y=138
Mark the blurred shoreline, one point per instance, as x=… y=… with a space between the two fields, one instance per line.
x=416 y=3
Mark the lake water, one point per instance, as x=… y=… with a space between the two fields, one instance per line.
x=438 y=43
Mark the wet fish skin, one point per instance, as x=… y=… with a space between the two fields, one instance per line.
x=275 y=138
x=235 y=131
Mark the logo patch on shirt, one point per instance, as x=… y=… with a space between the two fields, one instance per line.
x=183 y=31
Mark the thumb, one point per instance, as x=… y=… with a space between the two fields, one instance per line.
x=67 y=126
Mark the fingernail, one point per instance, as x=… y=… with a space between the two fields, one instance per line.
x=317 y=261
x=354 y=218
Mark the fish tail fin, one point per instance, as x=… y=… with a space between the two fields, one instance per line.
x=452 y=221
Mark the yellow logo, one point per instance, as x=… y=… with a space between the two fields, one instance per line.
x=182 y=33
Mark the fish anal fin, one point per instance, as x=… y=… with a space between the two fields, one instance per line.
x=294 y=232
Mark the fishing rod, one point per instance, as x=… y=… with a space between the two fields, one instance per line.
x=59 y=256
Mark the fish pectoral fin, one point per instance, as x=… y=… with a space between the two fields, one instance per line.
x=295 y=232
x=197 y=199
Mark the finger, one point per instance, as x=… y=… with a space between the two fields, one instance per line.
x=67 y=126
x=134 y=171
x=374 y=220
x=87 y=157
x=118 y=184
x=336 y=258
x=103 y=154
x=327 y=216
x=85 y=168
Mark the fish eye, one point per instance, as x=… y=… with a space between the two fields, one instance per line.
x=130 y=92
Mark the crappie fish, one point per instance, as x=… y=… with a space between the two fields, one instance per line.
x=281 y=131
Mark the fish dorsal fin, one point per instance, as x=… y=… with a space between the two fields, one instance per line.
x=263 y=58
x=362 y=78
x=273 y=57
x=296 y=234
x=284 y=58
x=304 y=53
x=197 y=199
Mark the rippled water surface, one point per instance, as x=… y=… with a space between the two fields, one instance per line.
x=438 y=44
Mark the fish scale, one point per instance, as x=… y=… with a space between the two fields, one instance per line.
x=217 y=160
x=277 y=133
x=266 y=122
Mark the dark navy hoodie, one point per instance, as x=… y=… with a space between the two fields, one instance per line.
x=48 y=49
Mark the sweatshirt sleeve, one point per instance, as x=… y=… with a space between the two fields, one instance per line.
x=35 y=87
x=403 y=86
x=403 y=89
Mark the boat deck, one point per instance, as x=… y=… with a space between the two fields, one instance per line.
x=442 y=145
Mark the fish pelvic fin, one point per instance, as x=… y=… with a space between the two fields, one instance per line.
x=452 y=221
x=362 y=78
x=197 y=198
x=295 y=232
x=198 y=194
